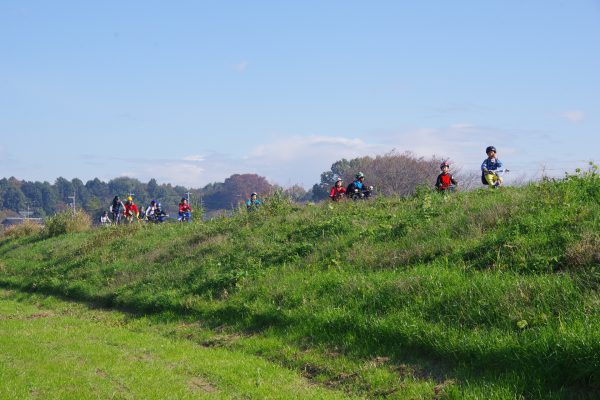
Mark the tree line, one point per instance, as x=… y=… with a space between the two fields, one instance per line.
x=392 y=173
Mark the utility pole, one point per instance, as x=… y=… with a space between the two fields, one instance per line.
x=73 y=203
x=26 y=214
x=187 y=194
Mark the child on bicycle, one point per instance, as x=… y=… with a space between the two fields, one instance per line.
x=357 y=189
x=253 y=202
x=490 y=168
x=338 y=190
x=445 y=180
x=131 y=212
x=185 y=211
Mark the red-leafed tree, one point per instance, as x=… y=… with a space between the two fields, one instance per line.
x=236 y=189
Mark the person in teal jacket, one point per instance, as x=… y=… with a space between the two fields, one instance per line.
x=253 y=202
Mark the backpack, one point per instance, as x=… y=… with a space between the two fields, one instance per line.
x=350 y=190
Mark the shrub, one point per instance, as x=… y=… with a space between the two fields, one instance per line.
x=27 y=228
x=67 y=222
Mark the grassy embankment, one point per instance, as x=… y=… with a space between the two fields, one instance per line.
x=486 y=294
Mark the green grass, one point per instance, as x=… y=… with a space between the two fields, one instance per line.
x=486 y=294
x=58 y=351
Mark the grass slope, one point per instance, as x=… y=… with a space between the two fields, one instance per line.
x=486 y=294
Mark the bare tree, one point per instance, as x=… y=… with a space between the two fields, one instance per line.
x=392 y=173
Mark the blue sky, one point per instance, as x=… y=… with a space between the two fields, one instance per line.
x=190 y=92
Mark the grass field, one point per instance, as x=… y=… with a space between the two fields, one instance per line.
x=56 y=350
x=485 y=294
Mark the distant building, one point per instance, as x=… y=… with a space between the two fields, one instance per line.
x=20 y=220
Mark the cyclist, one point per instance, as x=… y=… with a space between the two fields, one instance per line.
x=357 y=189
x=338 y=190
x=131 y=210
x=185 y=211
x=490 y=168
x=104 y=219
x=116 y=208
x=253 y=202
x=151 y=210
x=445 y=180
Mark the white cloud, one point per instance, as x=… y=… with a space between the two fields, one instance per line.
x=299 y=147
x=242 y=66
x=573 y=115
x=195 y=157
x=182 y=173
x=301 y=159
x=462 y=125
x=129 y=174
x=461 y=143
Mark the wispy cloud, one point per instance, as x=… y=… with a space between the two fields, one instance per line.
x=195 y=158
x=573 y=115
x=301 y=159
x=242 y=66
x=185 y=174
x=299 y=147
x=463 y=142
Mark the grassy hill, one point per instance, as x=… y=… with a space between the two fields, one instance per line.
x=484 y=294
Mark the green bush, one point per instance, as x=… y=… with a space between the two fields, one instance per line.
x=67 y=222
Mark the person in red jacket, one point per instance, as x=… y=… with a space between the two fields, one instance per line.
x=131 y=210
x=185 y=211
x=445 y=181
x=338 y=191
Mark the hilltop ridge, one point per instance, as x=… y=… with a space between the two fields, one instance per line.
x=500 y=288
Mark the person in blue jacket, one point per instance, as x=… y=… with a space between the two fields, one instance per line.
x=358 y=189
x=490 y=169
x=253 y=202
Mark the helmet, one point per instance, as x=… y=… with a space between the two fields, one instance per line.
x=490 y=148
x=444 y=164
x=360 y=175
x=254 y=194
x=153 y=201
x=158 y=205
x=339 y=180
x=129 y=198
x=182 y=199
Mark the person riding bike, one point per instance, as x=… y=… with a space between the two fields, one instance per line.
x=338 y=191
x=131 y=212
x=445 y=180
x=253 y=202
x=116 y=208
x=490 y=169
x=105 y=219
x=151 y=210
x=158 y=215
x=357 y=189
x=185 y=211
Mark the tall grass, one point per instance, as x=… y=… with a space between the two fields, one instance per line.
x=27 y=228
x=486 y=283
x=67 y=222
